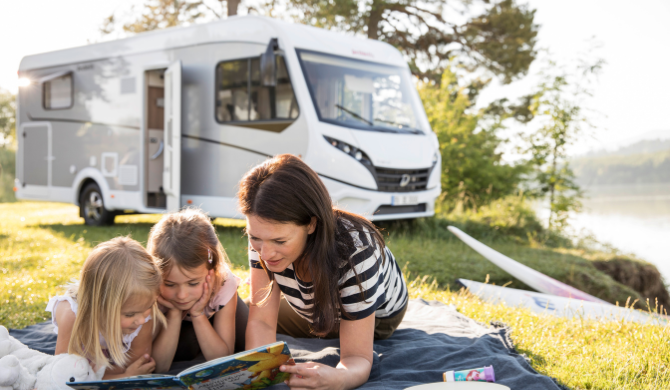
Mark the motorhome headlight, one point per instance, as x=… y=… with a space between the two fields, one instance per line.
x=23 y=82
x=350 y=150
x=435 y=158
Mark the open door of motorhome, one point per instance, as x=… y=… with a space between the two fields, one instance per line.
x=172 y=134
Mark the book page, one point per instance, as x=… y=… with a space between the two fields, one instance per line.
x=255 y=369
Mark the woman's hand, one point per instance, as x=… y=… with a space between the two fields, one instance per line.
x=198 y=308
x=313 y=376
x=142 y=366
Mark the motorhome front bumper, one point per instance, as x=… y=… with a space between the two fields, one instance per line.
x=380 y=205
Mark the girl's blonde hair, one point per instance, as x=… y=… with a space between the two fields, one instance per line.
x=116 y=272
x=188 y=240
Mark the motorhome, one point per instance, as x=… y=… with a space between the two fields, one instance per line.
x=173 y=118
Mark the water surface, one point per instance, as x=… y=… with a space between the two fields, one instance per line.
x=634 y=219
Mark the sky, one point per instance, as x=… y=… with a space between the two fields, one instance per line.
x=632 y=96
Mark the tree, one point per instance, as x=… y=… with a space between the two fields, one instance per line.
x=7 y=118
x=473 y=172
x=159 y=14
x=562 y=120
x=496 y=36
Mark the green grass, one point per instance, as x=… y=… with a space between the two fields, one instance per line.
x=42 y=246
x=7 y=167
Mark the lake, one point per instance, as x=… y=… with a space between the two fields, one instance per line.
x=633 y=218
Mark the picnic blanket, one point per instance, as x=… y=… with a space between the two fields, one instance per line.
x=433 y=338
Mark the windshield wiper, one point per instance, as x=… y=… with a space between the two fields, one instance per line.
x=348 y=111
x=403 y=126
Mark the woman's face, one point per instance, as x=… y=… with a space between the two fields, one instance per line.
x=278 y=244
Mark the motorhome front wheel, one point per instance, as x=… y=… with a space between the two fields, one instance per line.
x=93 y=207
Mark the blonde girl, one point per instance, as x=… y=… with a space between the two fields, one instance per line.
x=199 y=291
x=110 y=314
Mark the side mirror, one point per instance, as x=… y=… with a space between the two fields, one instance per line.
x=268 y=65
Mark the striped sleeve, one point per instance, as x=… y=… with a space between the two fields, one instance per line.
x=254 y=259
x=361 y=302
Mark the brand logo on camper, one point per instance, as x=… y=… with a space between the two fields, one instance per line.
x=404 y=180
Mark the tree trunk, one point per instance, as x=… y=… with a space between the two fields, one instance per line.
x=232 y=7
x=552 y=184
x=376 y=11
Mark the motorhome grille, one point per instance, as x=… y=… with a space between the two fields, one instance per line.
x=388 y=209
x=401 y=180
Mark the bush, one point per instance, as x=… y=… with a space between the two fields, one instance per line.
x=7 y=172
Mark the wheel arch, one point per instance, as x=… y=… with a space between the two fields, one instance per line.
x=85 y=177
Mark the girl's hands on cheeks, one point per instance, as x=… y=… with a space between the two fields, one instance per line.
x=172 y=310
x=142 y=366
x=198 y=308
x=313 y=376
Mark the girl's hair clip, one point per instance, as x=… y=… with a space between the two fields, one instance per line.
x=209 y=255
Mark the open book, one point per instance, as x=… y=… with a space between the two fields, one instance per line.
x=248 y=370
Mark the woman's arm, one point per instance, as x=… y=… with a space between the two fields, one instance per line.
x=356 y=338
x=65 y=318
x=165 y=345
x=218 y=340
x=262 y=324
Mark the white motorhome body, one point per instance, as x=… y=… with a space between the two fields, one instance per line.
x=173 y=118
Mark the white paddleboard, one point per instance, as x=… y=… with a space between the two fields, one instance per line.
x=459 y=386
x=529 y=276
x=558 y=306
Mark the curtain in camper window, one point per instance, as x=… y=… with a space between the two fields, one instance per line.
x=57 y=93
x=240 y=96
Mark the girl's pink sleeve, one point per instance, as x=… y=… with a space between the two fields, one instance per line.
x=226 y=292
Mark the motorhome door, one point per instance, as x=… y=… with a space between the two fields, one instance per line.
x=172 y=138
x=35 y=159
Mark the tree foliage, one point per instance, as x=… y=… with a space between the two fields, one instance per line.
x=558 y=108
x=7 y=118
x=473 y=172
x=159 y=14
x=497 y=36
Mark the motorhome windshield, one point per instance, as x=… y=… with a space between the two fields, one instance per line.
x=361 y=94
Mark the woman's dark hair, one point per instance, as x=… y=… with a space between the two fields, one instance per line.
x=286 y=190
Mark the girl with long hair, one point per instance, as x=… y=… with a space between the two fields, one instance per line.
x=198 y=293
x=316 y=271
x=109 y=316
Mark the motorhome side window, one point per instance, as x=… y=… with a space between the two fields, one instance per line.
x=241 y=98
x=58 y=93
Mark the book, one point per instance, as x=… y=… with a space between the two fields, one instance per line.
x=249 y=370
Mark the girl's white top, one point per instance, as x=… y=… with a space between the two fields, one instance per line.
x=51 y=307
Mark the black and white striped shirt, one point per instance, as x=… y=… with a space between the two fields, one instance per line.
x=384 y=289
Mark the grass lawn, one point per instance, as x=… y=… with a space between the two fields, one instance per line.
x=42 y=246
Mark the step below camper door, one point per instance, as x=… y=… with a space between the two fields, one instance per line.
x=172 y=141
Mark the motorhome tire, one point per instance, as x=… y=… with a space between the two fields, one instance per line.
x=93 y=208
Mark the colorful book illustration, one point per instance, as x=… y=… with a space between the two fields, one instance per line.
x=559 y=306
x=249 y=370
x=532 y=278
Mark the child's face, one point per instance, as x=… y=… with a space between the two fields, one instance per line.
x=278 y=244
x=184 y=288
x=134 y=314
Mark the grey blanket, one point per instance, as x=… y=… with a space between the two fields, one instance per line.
x=433 y=338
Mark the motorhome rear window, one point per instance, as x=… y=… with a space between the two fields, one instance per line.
x=58 y=92
x=241 y=98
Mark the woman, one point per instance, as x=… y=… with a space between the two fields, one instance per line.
x=337 y=278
